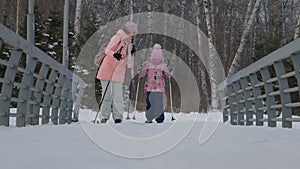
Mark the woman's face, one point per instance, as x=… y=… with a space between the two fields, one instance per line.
x=132 y=35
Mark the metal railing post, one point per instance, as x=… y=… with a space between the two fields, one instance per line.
x=284 y=97
x=48 y=96
x=37 y=95
x=7 y=86
x=56 y=98
x=240 y=104
x=270 y=100
x=63 y=103
x=24 y=93
x=296 y=63
x=69 y=108
x=233 y=105
x=257 y=102
x=248 y=102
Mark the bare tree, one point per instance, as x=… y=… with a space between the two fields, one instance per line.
x=212 y=58
x=131 y=10
x=235 y=64
x=212 y=8
x=249 y=7
x=296 y=18
x=283 y=20
x=201 y=68
x=77 y=18
x=18 y=17
x=297 y=29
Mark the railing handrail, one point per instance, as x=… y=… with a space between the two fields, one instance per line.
x=269 y=59
x=254 y=91
x=10 y=37
x=54 y=86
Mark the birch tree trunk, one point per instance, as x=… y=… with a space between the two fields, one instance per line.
x=212 y=60
x=77 y=18
x=254 y=43
x=296 y=18
x=18 y=17
x=297 y=28
x=212 y=7
x=229 y=38
x=283 y=20
x=204 y=90
x=249 y=7
x=131 y=10
x=179 y=26
x=150 y=21
x=235 y=64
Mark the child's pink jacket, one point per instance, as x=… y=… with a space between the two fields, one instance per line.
x=155 y=76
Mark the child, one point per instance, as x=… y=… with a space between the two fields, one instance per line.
x=155 y=71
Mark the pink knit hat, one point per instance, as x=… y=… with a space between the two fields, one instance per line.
x=130 y=27
x=156 y=52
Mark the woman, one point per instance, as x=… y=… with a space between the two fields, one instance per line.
x=112 y=72
x=155 y=71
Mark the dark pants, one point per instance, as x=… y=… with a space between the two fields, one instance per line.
x=154 y=108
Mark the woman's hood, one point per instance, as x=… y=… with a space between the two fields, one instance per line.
x=122 y=34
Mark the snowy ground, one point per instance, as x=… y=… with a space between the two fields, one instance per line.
x=69 y=147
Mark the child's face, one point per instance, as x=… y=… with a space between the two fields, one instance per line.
x=156 y=61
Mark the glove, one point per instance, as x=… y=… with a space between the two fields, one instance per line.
x=118 y=56
x=133 y=49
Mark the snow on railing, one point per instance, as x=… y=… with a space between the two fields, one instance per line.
x=41 y=90
x=266 y=91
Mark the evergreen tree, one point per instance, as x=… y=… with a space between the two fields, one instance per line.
x=48 y=34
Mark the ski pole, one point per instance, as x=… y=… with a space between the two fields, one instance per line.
x=170 y=89
x=128 y=105
x=136 y=97
x=94 y=121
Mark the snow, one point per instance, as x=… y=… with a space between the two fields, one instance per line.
x=52 y=53
x=46 y=34
x=5 y=53
x=69 y=147
x=81 y=70
x=85 y=72
x=50 y=46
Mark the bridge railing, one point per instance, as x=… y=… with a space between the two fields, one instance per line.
x=40 y=90
x=266 y=91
